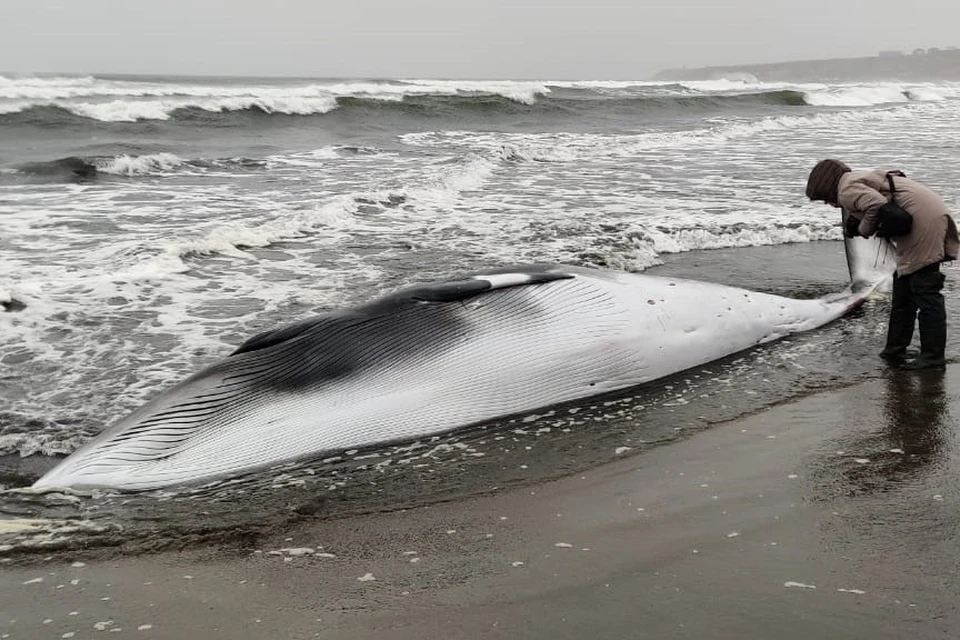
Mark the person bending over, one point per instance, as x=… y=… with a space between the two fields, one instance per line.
x=873 y=200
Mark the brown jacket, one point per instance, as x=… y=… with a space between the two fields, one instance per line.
x=933 y=237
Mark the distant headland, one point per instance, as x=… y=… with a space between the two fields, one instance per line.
x=921 y=65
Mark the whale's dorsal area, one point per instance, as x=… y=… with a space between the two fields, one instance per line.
x=450 y=291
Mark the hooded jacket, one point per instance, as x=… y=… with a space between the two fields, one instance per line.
x=933 y=237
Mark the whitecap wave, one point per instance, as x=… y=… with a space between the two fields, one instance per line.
x=67 y=88
x=336 y=216
x=745 y=82
x=878 y=94
x=134 y=110
x=523 y=92
x=642 y=248
x=235 y=239
x=930 y=94
x=681 y=240
x=572 y=146
x=856 y=96
x=312 y=158
x=536 y=153
x=126 y=165
x=129 y=101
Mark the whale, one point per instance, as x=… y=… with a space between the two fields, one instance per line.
x=431 y=358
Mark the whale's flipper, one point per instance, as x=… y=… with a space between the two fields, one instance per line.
x=870 y=261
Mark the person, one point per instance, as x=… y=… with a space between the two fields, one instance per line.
x=932 y=239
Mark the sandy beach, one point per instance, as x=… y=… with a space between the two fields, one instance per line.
x=833 y=516
x=299 y=308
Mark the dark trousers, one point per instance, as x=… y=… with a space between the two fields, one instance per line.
x=917 y=297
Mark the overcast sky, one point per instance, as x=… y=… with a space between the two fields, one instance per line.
x=561 y=39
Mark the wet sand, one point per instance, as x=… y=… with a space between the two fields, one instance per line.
x=833 y=516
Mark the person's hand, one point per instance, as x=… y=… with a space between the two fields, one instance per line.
x=851 y=228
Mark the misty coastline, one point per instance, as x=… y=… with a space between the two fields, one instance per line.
x=922 y=65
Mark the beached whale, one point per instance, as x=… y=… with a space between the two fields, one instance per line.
x=435 y=357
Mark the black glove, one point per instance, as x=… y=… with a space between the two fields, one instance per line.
x=851 y=228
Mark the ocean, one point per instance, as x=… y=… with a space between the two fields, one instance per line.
x=151 y=224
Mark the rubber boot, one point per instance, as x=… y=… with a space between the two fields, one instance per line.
x=926 y=286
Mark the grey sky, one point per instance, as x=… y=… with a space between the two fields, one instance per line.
x=595 y=39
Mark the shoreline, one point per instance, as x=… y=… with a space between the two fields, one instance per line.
x=827 y=516
x=514 y=452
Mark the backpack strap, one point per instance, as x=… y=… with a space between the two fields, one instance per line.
x=893 y=188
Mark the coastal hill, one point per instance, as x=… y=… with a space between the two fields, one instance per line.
x=922 y=65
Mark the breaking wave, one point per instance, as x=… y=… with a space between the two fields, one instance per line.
x=73 y=168
x=73 y=101
x=133 y=110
